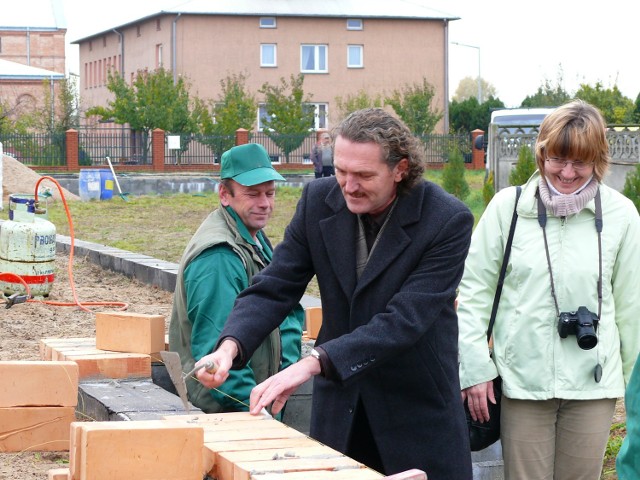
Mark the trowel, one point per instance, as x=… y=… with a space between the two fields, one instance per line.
x=174 y=367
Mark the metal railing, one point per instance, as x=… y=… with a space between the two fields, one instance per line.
x=127 y=147
x=41 y=149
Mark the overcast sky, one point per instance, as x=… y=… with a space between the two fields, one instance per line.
x=520 y=43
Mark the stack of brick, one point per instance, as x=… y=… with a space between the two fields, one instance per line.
x=124 y=347
x=37 y=405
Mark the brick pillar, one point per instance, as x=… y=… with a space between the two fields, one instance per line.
x=242 y=136
x=72 y=152
x=477 y=154
x=157 y=149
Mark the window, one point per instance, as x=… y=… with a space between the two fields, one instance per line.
x=354 y=56
x=268 y=56
x=313 y=58
x=354 y=24
x=267 y=22
x=159 y=55
x=104 y=41
x=0 y=44
x=158 y=25
x=263 y=117
x=321 y=117
x=138 y=32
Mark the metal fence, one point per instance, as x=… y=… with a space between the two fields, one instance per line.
x=41 y=149
x=127 y=147
x=122 y=145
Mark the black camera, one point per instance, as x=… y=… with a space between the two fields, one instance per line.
x=583 y=324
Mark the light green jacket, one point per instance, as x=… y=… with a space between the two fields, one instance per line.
x=534 y=362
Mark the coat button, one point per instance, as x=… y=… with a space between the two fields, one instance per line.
x=353 y=368
x=359 y=365
x=350 y=409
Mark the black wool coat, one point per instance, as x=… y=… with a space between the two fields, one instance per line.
x=392 y=335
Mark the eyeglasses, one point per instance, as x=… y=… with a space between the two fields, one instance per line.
x=577 y=165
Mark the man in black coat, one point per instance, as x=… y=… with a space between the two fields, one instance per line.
x=388 y=251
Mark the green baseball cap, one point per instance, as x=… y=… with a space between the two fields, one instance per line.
x=248 y=165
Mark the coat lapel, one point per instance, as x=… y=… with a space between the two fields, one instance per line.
x=339 y=237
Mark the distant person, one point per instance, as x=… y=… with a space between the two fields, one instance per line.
x=387 y=249
x=322 y=157
x=219 y=262
x=566 y=334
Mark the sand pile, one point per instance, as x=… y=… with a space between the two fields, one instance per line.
x=17 y=178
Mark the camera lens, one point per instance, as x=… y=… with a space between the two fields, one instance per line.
x=587 y=339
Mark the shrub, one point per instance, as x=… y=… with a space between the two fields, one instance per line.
x=453 y=180
x=488 y=190
x=631 y=188
x=524 y=168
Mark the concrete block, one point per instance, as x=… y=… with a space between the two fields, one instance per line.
x=59 y=474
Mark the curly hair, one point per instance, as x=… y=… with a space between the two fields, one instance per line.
x=394 y=137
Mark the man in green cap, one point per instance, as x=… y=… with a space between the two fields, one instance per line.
x=226 y=251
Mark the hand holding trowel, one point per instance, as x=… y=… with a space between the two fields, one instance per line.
x=174 y=367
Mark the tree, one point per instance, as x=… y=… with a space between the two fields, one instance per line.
x=235 y=108
x=357 y=101
x=289 y=117
x=468 y=88
x=636 y=110
x=152 y=101
x=468 y=115
x=548 y=95
x=412 y=103
x=525 y=166
x=615 y=107
x=453 y=180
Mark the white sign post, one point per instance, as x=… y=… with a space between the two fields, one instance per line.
x=173 y=142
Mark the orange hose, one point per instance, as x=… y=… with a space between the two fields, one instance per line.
x=81 y=305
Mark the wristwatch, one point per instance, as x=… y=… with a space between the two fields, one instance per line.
x=315 y=354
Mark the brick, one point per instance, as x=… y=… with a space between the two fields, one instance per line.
x=58 y=474
x=139 y=449
x=346 y=474
x=227 y=461
x=313 y=317
x=244 y=470
x=130 y=332
x=35 y=428
x=112 y=365
x=38 y=383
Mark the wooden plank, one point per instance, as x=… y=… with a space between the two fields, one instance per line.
x=140 y=449
x=38 y=383
x=130 y=332
x=35 y=428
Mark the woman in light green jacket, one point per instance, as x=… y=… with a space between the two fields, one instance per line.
x=563 y=346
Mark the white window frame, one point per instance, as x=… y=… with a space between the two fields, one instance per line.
x=263 y=62
x=320 y=55
x=354 y=24
x=262 y=113
x=268 y=22
x=360 y=50
x=320 y=116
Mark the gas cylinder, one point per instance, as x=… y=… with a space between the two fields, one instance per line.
x=27 y=247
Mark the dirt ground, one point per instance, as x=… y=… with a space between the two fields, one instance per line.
x=23 y=325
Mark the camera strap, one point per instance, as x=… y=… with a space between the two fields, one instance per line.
x=542 y=221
